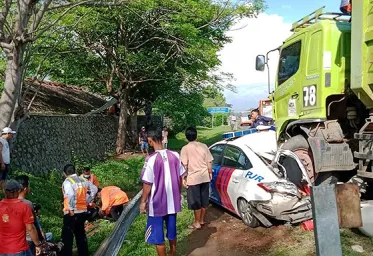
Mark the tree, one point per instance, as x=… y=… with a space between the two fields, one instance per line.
x=22 y=23
x=146 y=49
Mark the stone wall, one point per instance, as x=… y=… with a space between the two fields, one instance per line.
x=44 y=143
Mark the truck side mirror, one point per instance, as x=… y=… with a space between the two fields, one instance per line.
x=260 y=62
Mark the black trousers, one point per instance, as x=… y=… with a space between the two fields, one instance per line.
x=74 y=226
x=116 y=211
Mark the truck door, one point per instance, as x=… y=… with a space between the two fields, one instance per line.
x=288 y=95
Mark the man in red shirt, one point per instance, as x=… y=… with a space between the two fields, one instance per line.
x=15 y=219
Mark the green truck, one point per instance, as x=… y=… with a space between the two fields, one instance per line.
x=323 y=97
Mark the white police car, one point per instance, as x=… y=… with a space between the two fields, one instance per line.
x=250 y=179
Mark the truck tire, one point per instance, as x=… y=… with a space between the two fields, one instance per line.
x=299 y=145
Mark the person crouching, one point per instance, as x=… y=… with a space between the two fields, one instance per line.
x=113 y=200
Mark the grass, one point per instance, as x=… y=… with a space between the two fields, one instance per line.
x=304 y=244
x=205 y=135
x=135 y=245
x=47 y=192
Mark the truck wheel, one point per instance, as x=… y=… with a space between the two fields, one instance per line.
x=299 y=145
x=246 y=214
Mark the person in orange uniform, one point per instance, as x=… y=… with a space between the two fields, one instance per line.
x=75 y=193
x=87 y=174
x=113 y=200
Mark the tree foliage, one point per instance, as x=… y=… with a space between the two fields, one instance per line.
x=23 y=22
x=144 y=52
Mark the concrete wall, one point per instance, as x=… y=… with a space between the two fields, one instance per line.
x=44 y=143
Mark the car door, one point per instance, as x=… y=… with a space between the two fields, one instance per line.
x=287 y=95
x=217 y=153
x=234 y=166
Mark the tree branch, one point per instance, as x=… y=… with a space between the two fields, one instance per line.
x=53 y=23
x=3 y=15
x=150 y=39
x=89 y=3
x=6 y=46
x=40 y=14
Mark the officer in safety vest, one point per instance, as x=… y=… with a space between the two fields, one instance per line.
x=75 y=195
x=88 y=175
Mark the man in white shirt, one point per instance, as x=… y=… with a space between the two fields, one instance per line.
x=6 y=136
x=164 y=137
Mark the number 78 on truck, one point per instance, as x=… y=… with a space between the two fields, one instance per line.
x=323 y=97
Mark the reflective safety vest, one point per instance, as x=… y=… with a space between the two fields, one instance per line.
x=75 y=197
x=112 y=196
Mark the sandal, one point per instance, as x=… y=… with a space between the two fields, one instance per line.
x=191 y=226
x=205 y=223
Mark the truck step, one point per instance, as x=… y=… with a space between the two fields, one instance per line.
x=366 y=175
x=363 y=136
x=367 y=156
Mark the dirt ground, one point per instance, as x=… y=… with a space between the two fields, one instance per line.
x=228 y=235
x=128 y=155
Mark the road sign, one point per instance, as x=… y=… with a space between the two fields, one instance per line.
x=220 y=110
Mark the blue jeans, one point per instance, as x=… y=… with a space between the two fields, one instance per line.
x=144 y=145
x=24 y=253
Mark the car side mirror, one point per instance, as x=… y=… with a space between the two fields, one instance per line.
x=260 y=62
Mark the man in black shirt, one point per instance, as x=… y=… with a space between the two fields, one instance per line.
x=143 y=141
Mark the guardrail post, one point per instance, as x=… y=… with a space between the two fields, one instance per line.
x=325 y=219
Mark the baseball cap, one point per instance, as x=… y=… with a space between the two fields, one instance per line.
x=7 y=130
x=12 y=186
x=143 y=127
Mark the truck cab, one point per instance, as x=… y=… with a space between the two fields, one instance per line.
x=323 y=100
x=313 y=70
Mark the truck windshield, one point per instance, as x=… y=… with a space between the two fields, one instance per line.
x=289 y=62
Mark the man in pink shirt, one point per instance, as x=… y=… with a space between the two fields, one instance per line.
x=197 y=160
x=161 y=198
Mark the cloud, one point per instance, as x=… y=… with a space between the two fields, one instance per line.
x=257 y=36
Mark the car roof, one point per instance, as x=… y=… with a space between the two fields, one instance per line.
x=259 y=142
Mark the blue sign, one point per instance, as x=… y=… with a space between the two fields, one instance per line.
x=223 y=110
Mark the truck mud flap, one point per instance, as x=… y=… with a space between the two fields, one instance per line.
x=331 y=157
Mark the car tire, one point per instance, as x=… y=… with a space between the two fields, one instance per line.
x=299 y=145
x=246 y=214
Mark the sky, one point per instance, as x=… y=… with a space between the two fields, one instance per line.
x=257 y=36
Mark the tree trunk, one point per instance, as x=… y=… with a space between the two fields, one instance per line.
x=133 y=134
x=123 y=118
x=12 y=85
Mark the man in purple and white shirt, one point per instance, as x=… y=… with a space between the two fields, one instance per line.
x=162 y=178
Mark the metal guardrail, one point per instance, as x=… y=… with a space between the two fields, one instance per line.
x=112 y=244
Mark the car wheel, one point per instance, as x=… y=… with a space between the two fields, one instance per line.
x=299 y=145
x=246 y=213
